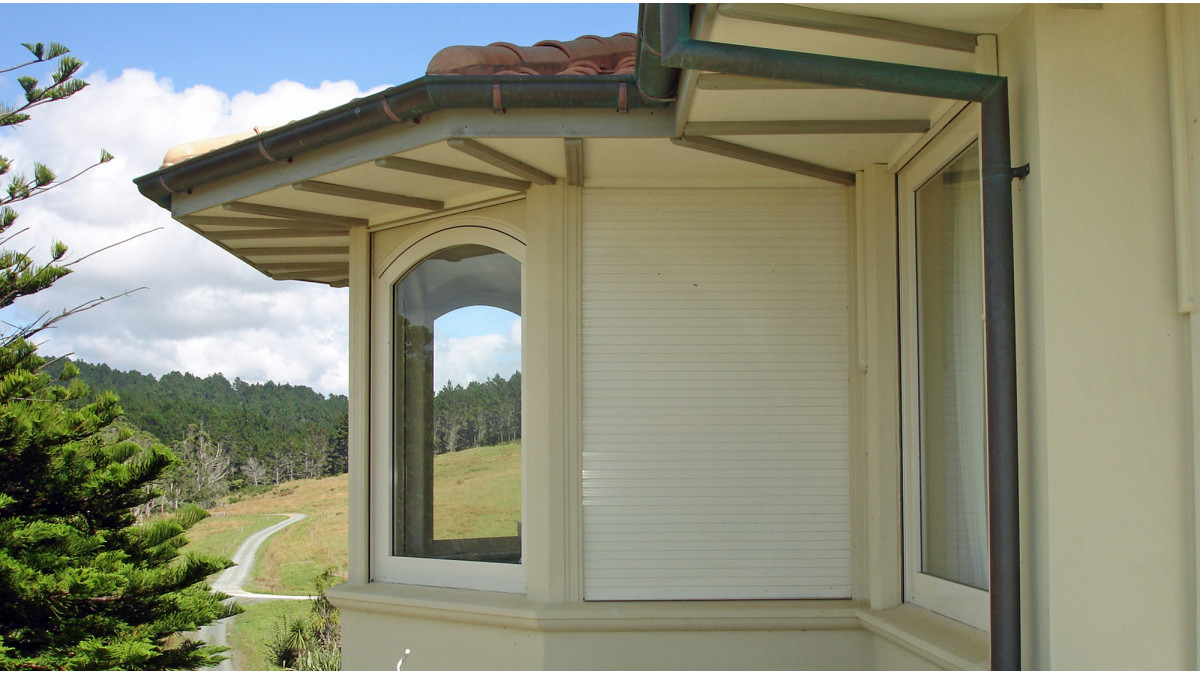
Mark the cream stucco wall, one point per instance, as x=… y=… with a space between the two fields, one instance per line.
x=446 y=629
x=1105 y=406
x=375 y=641
x=1104 y=394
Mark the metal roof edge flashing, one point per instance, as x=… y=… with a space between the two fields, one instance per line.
x=405 y=103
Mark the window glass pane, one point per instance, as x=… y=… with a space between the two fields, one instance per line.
x=457 y=429
x=951 y=371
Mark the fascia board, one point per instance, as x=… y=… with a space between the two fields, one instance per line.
x=636 y=123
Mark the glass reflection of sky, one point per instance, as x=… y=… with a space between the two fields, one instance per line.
x=472 y=321
x=475 y=343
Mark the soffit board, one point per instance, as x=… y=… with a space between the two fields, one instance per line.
x=619 y=150
x=661 y=163
x=979 y=17
x=792 y=38
x=809 y=104
x=843 y=152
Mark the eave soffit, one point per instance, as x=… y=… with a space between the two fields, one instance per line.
x=290 y=221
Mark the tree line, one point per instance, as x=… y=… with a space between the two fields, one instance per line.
x=477 y=415
x=227 y=435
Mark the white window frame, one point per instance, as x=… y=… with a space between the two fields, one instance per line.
x=486 y=576
x=957 y=601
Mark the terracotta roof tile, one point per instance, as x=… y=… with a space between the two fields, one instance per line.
x=185 y=151
x=586 y=55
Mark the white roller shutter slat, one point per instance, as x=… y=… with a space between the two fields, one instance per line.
x=715 y=394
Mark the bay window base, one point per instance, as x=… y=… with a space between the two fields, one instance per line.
x=476 y=630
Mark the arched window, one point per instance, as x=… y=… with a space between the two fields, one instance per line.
x=452 y=513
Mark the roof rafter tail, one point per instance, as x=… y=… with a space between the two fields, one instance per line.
x=405 y=103
x=754 y=156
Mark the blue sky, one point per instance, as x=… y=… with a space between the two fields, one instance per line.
x=166 y=74
x=249 y=47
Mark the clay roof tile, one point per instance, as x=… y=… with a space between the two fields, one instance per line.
x=581 y=68
x=585 y=55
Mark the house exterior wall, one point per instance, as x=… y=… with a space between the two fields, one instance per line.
x=1105 y=412
x=507 y=631
x=1106 y=421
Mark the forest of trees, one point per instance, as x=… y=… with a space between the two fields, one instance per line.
x=479 y=414
x=227 y=435
x=233 y=435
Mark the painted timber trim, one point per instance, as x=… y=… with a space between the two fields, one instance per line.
x=850 y=24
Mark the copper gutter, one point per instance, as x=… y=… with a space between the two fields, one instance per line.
x=406 y=103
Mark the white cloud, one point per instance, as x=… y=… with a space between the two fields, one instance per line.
x=477 y=357
x=203 y=311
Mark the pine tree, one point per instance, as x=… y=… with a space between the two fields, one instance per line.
x=82 y=585
x=337 y=459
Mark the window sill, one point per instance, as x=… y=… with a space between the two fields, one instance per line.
x=517 y=611
x=941 y=640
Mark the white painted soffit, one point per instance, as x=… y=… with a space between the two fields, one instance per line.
x=973 y=17
x=838 y=128
x=291 y=221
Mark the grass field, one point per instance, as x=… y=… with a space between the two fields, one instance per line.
x=249 y=629
x=478 y=494
x=222 y=536
x=290 y=560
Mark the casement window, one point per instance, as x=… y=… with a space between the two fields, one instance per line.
x=428 y=527
x=942 y=342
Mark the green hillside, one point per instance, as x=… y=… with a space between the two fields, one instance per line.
x=478 y=495
x=240 y=436
x=266 y=421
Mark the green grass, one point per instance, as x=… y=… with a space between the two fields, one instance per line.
x=477 y=492
x=292 y=558
x=221 y=535
x=250 y=631
x=290 y=561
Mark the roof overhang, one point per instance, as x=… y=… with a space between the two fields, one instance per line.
x=284 y=200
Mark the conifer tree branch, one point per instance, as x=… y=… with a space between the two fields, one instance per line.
x=112 y=245
x=4 y=241
x=55 y=360
x=22 y=65
x=68 y=487
x=55 y=93
x=40 y=55
x=85 y=306
x=33 y=190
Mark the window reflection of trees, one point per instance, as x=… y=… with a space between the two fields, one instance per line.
x=459 y=416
